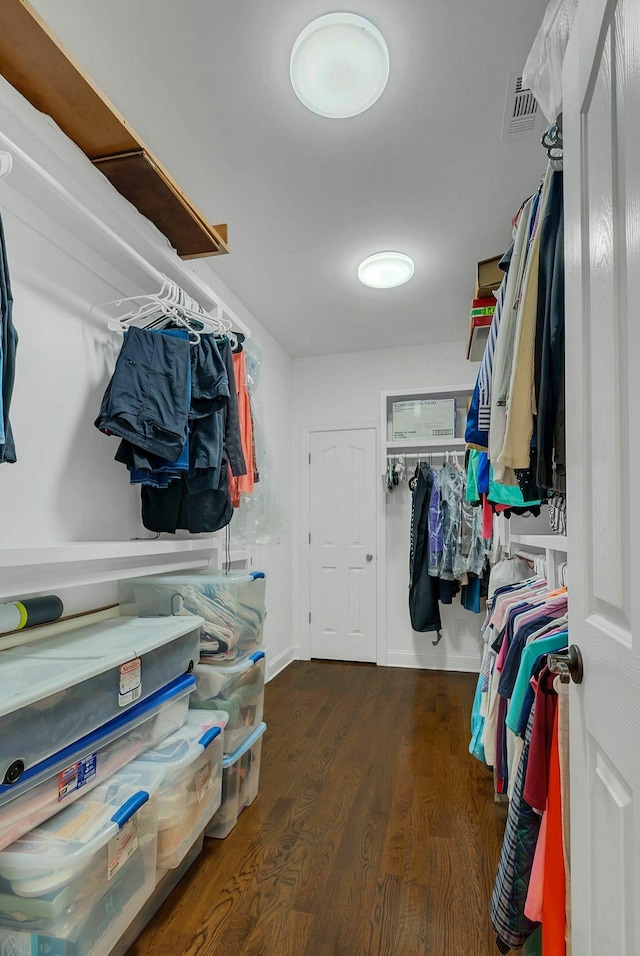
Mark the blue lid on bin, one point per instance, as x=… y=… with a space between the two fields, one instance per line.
x=246 y=744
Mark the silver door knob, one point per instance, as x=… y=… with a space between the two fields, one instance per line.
x=568 y=665
x=369 y=557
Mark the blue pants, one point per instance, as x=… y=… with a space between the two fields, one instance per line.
x=147 y=399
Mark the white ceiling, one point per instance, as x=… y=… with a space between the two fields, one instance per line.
x=206 y=84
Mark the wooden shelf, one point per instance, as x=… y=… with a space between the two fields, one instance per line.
x=37 y=65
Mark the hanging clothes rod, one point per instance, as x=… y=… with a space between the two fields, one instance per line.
x=424 y=456
x=15 y=153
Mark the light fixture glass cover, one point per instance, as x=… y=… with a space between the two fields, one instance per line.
x=339 y=65
x=385 y=270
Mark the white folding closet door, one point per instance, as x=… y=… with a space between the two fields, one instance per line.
x=342 y=586
x=602 y=207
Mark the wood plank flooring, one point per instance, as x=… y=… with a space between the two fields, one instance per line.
x=375 y=833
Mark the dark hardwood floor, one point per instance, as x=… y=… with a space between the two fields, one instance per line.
x=375 y=833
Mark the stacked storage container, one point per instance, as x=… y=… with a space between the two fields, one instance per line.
x=240 y=780
x=231 y=673
x=72 y=886
x=191 y=763
x=69 y=696
x=238 y=690
x=78 y=840
x=105 y=799
x=60 y=779
x=231 y=605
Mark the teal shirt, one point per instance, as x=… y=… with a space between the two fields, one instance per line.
x=530 y=655
x=509 y=495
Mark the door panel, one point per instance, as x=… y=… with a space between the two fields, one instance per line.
x=343 y=485
x=328 y=610
x=602 y=216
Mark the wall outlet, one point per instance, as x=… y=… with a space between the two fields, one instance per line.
x=460 y=627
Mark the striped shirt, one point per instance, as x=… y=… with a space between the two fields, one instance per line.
x=486 y=368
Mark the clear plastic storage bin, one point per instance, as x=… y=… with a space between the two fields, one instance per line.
x=166 y=882
x=232 y=606
x=72 y=886
x=240 y=780
x=57 y=690
x=191 y=789
x=72 y=773
x=238 y=689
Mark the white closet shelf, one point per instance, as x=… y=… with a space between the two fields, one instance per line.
x=74 y=551
x=431 y=391
x=80 y=563
x=549 y=542
x=430 y=444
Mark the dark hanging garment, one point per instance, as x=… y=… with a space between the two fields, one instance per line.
x=423 y=588
x=177 y=507
x=232 y=434
x=8 y=346
x=549 y=354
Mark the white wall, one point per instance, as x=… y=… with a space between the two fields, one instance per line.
x=334 y=389
x=65 y=486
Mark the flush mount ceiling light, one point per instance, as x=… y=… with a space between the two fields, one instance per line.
x=385 y=270
x=339 y=65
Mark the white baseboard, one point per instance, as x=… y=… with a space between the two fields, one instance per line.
x=433 y=662
x=278 y=664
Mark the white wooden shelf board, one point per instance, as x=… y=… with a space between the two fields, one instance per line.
x=35 y=570
x=100 y=551
x=549 y=542
x=432 y=444
x=431 y=390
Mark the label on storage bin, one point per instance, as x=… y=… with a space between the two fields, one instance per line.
x=130 y=688
x=122 y=846
x=16 y=944
x=204 y=782
x=76 y=775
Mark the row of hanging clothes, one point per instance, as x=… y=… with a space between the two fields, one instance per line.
x=179 y=402
x=520 y=730
x=516 y=426
x=449 y=540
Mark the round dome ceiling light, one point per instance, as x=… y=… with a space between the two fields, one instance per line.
x=339 y=65
x=385 y=270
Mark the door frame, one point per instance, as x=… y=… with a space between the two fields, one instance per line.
x=305 y=525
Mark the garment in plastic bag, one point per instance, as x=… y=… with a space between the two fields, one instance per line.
x=543 y=70
x=260 y=518
x=508 y=571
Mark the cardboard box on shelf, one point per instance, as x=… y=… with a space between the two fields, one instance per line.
x=424 y=419
x=488 y=277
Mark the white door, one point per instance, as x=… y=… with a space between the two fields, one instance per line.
x=342 y=588
x=602 y=207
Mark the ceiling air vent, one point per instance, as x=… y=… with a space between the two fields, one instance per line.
x=520 y=109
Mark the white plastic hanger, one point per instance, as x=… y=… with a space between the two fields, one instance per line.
x=171 y=303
